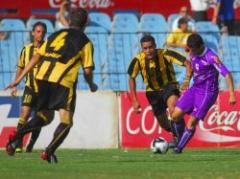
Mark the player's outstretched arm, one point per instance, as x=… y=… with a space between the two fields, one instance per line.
x=232 y=97
x=33 y=61
x=14 y=89
x=88 y=75
x=188 y=76
x=135 y=103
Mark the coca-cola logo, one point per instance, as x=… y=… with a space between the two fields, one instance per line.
x=84 y=3
x=221 y=120
x=219 y=126
x=146 y=125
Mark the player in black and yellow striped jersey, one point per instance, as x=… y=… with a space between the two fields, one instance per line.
x=59 y=60
x=162 y=89
x=29 y=98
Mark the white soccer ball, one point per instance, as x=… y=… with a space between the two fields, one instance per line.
x=159 y=145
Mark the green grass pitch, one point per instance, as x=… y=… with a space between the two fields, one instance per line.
x=124 y=164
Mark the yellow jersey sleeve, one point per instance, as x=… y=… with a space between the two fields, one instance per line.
x=87 y=55
x=133 y=68
x=174 y=57
x=21 y=61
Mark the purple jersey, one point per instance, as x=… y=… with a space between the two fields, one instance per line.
x=206 y=68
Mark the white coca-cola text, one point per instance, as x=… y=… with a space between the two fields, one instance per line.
x=224 y=120
x=143 y=121
x=84 y=3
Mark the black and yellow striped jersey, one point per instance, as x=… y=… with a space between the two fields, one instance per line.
x=62 y=54
x=158 y=72
x=26 y=54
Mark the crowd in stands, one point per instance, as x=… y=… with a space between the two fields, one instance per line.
x=115 y=39
x=62 y=17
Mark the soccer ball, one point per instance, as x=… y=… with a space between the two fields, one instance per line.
x=159 y=145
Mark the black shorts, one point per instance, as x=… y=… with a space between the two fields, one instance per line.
x=158 y=99
x=29 y=97
x=53 y=96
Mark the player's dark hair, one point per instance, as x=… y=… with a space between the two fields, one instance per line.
x=148 y=38
x=39 y=24
x=195 y=41
x=78 y=17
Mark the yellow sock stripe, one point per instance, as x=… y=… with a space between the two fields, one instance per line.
x=57 y=138
x=22 y=120
x=42 y=116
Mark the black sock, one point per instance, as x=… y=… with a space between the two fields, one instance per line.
x=59 y=135
x=19 y=126
x=34 y=137
x=164 y=122
x=186 y=137
x=31 y=125
x=178 y=128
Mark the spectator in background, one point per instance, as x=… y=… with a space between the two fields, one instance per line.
x=178 y=38
x=224 y=15
x=199 y=9
x=3 y=35
x=62 y=17
x=184 y=13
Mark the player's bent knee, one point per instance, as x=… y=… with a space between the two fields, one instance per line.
x=42 y=116
x=177 y=114
x=49 y=115
x=25 y=114
x=170 y=110
x=192 y=122
x=46 y=116
x=67 y=121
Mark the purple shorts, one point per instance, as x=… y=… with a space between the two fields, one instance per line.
x=196 y=102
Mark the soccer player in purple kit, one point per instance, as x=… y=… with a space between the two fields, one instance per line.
x=197 y=100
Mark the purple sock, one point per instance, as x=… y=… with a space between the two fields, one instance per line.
x=187 y=135
x=179 y=128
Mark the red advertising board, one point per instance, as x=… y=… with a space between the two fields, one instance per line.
x=48 y=8
x=42 y=8
x=9 y=109
x=221 y=127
